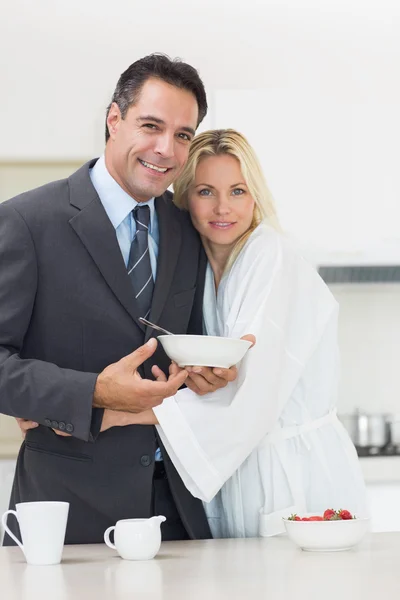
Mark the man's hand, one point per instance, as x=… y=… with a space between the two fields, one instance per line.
x=25 y=425
x=204 y=380
x=120 y=387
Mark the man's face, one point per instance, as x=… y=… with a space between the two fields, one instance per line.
x=148 y=149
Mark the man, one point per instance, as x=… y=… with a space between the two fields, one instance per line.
x=81 y=260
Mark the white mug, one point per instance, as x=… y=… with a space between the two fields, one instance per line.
x=136 y=539
x=42 y=526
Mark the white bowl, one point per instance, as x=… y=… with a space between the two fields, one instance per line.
x=204 y=350
x=326 y=536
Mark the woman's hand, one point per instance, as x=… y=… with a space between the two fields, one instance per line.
x=118 y=418
x=204 y=380
x=201 y=380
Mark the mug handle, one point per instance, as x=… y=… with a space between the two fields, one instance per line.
x=107 y=537
x=6 y=528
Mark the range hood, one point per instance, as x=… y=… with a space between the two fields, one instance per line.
x=360 y=273
x=375 y=262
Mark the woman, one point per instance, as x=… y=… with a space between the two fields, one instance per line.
x=270 y=443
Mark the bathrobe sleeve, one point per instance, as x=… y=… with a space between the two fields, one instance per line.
x=274 y=294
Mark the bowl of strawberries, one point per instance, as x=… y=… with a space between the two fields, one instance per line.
x=332 y=531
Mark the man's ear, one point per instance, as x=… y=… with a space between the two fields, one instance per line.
x=114 y=118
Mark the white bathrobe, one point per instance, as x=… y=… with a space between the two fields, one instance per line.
x=270 y=443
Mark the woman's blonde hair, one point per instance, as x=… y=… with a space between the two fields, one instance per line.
x=217 y=142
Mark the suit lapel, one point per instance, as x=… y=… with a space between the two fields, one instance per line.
x=168 y=252
x=97 y=234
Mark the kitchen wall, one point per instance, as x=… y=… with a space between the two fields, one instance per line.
x=369 y=336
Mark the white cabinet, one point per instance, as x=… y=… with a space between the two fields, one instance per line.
x=382 y=477
x=7 y=468
x=331 y=162
x=384 y=502
x=68 y=126
x=289 y=130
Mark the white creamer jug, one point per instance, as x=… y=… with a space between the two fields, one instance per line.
x=136 y=539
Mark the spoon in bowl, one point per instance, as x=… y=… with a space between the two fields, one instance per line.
x=150 y=324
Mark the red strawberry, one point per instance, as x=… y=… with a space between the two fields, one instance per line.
x=345 y=515
x=316 y=518
x=328 y=514
x=305 y=519
x=294 y=517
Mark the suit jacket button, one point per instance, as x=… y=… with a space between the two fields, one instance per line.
x=145 y=460
x=47 y=422
x=61 y=426
x=54 y=424
x=69 y=428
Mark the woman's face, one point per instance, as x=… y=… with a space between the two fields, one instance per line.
x=219 y=201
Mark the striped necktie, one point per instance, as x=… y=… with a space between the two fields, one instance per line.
x=139 y=267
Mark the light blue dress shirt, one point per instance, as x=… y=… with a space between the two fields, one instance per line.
x=119 y=206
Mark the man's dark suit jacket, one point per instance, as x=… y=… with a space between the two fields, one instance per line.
x=67 y=310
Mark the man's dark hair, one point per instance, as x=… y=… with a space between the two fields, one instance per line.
x=174 y=72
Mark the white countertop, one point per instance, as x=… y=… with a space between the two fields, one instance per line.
x=210 y=570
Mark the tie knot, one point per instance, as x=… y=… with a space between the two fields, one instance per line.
x=141 y=214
